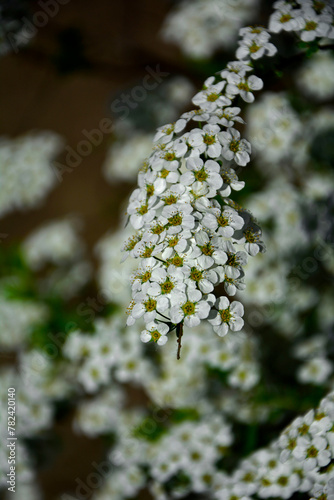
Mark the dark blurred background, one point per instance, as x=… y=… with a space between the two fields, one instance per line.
x=64 y=81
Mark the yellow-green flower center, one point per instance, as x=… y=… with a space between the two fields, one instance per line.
x=234 y=146
x=212 y=97
x=131 y=243
x=146 y=254
x=150 y=305
x=149 y=190
x=167 y=286
x=155 y=335
x=143 y=209
x=232 y=260
x=310 y=26
x=188 y=308
x=292 y=444
x=209 y=139
x=170 y=156
x=318 y=6
x=265 y=482
x=175 y=220
x=201 y=175
x=145 y=276
x=176 y=261
x=158 y=229
x=196 y=274
x=222 y=221
x=207 y=249
x=164 y=173
x=250 y=236
x=225 y=315
x=253 y=48
x=170 y=200
x=312 y=452
x=282 y=481
x=243 y=86
x=285 y=18
x=303 y=429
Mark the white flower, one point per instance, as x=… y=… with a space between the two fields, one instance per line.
x=285 y=18
x=211 y=97
x=93 y=374
x=176 y=243
x=244 y=87
x=156 y=332
x=235 y=70
x=207 y=172
x=226 y=116
x=169 y=156
x=207 y=253
x=223 y=222
x=234 y=259
x=167 y=282
x=315 y=371
x=197 y=276
x=230 y=181
x=235 y=148
x=190 y=308
x=207 y=140
x=26 y=169
x=313 y=26
x=233 y=280
x=142 y=275
x=256 y=47
x=245 y=376
x=140 y=209
x=147 y=306
x=177 y=193
x=312 y=453
x=147 y=249
x=316 y=76
x=166 y=133
x=178 y=217
x=228 y=316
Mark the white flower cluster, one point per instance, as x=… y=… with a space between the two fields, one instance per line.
x=299 y=461
x=201 y=27
x=190 y=236
x=186 y=236
x=315 y=78
x=56 y=242
x=16 y=320
x=275 y=130
x=25 y=169
x=312 y=19
x=190 y=448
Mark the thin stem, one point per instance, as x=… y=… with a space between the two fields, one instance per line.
x=160 y=260
x=179 y=333
x=161 y=321
x=163 y=316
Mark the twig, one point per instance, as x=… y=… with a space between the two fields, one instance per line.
x=179 y=333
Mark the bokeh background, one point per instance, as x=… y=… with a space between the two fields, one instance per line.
x=66 y=80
